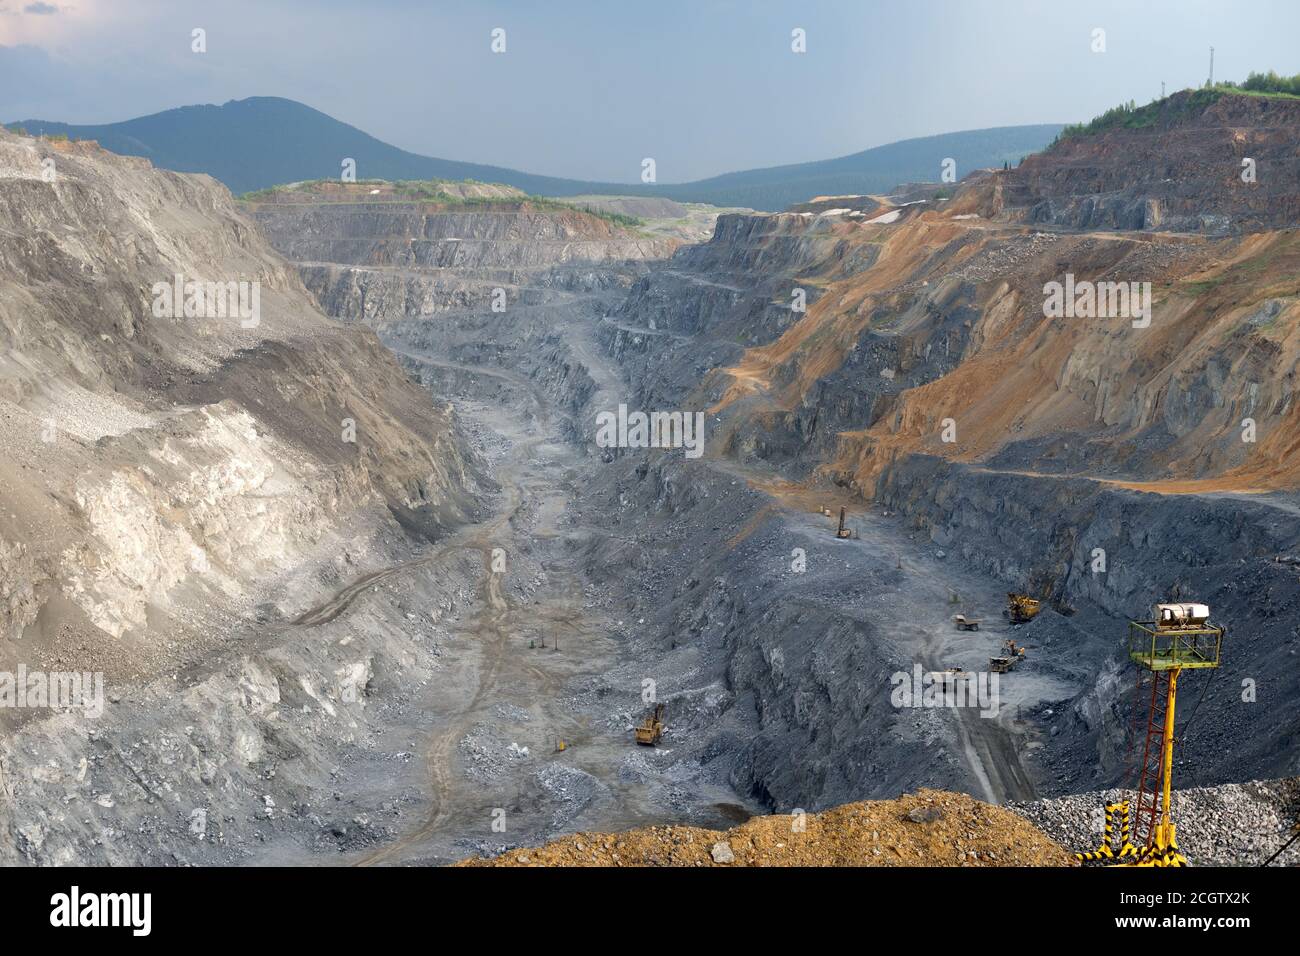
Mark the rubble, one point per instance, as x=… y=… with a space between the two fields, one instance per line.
x=1228 y=825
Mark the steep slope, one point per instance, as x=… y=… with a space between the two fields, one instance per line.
x=265 y=140
x=164 y=472
x=468 y=283
x=953 y=323
x=201 y=519
x=1197 y=161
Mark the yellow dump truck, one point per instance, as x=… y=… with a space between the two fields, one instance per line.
x=1012 y=654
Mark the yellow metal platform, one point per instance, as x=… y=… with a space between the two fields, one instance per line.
x=1172 y=648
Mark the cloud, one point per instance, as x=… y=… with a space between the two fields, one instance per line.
x=41 y=9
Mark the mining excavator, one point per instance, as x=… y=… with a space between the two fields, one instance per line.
x=843 y=532
x=1021 y=608
x=652 y=728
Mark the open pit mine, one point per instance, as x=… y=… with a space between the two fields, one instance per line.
x=931 y=528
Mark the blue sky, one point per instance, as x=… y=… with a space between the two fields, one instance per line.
x=587 y=89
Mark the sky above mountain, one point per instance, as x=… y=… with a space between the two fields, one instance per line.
x=701 y=86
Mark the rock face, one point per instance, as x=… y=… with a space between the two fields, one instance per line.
x=157 y=461
x=174 y=489
x=1176 y=165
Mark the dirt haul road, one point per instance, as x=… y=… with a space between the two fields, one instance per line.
x=499 y=666
x=491 y=631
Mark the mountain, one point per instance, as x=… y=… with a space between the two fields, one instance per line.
x=876 y=170
x=265 y=141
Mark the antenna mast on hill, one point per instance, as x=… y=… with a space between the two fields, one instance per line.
x=1211 y=83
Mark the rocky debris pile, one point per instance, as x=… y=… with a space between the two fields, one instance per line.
x=928 y=828
x=572 y=789
x=1236 y=824
x=488 y=755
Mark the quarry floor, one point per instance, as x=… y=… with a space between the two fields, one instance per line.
x=485 y=771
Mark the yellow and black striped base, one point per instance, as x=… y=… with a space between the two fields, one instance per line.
x=1161 y=854
x=1108 y=850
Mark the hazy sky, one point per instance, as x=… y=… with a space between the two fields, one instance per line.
x=587 y=89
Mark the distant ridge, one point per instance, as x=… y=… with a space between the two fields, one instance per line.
x=266 y=141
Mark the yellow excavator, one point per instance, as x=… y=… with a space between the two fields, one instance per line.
x=652 y=728
x=1021 y=608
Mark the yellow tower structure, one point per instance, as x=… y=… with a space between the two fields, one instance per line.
x=1180 y=637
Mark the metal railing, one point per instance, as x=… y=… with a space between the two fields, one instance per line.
x=1164 y=648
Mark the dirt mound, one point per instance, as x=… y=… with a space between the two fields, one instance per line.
x=928 y=828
